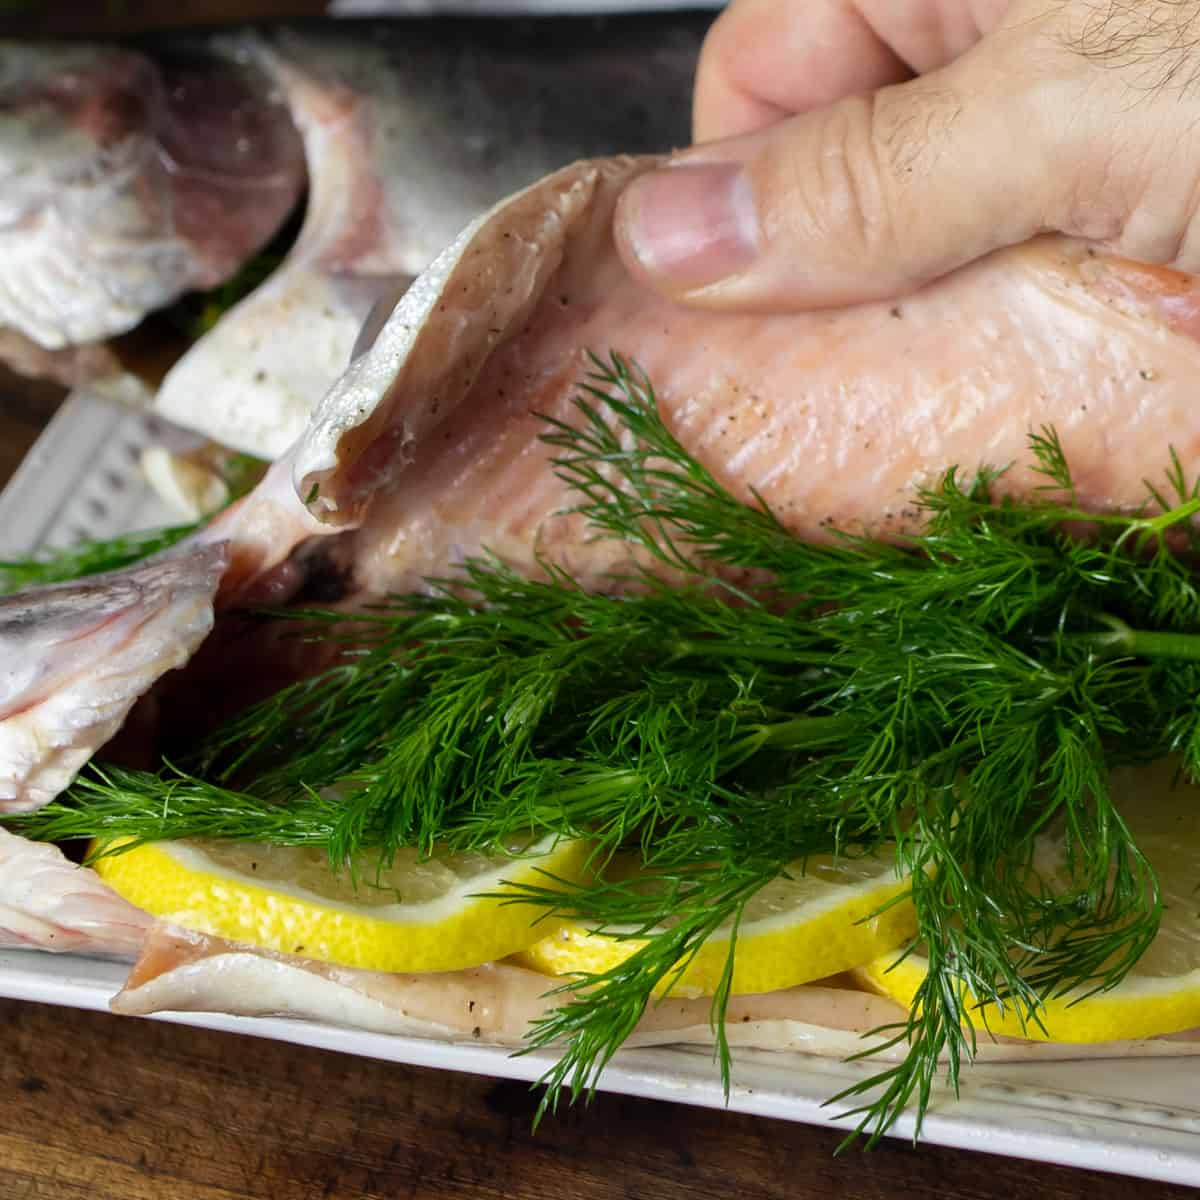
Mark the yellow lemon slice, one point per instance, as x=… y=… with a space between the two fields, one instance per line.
x=799 y=927
x=414 y=915
x=1161 y=994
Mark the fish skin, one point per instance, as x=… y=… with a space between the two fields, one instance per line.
x=183 y=971
x=481 y=291
x=74 y=659
x=411 y=131
x=494 y=1004
x=49 y=903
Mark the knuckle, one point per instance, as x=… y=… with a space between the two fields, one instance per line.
x=1091 y=203
x=868 y=185
x=1162 y=223
x=730 y=53
x=827 y=193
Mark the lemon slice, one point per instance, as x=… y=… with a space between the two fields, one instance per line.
x=1161 y=994
x=415 y=915
x=798 y=928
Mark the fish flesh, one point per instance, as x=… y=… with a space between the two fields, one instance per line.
x=495 y=1004
x=128 y=177
x=427 y=449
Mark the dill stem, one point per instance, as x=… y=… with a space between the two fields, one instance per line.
x=1139 y=528
x=577 y=802
x=700 y=648
x=1142 y=643
x=798 y=733
x=603 y=785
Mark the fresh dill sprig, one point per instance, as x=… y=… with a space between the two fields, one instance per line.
x=945 y=698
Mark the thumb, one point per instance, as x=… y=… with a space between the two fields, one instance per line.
x=865 y=199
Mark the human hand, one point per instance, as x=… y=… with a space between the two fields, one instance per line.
x=867 y=146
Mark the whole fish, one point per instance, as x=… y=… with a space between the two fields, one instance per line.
x=129 y=177
x=427 y=447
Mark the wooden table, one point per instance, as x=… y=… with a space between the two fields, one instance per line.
x=96 y=1107
x=105 y=1108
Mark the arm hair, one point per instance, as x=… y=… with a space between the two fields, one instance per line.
x=1156 y=42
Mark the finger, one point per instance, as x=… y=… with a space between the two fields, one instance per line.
x=767 y=59
x=863 y=199
x=928 y=34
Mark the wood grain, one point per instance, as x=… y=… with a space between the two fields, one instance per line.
x=105 y=1108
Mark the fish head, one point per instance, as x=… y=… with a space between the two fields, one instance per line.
x=125 y=181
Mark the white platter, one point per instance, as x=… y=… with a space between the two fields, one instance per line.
x=1128 y=1116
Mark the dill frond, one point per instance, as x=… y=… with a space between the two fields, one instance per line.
x=946 y=699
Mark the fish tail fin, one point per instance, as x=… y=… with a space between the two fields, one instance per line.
x=49 y=903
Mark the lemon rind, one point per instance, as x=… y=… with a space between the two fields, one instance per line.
x=777 y=953
x=223 y=904
x=1139 y=1007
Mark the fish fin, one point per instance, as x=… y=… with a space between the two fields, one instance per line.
x=76 y=656
x=48 y=902
x=426 y=357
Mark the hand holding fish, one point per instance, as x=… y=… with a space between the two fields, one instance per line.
x=853 y=150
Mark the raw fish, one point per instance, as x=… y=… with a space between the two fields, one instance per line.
x=74 y=657
x=181 y=971
x=49 y=903
x=128 y=177
x=124 y=182
x=428 y=446
x=426 y=449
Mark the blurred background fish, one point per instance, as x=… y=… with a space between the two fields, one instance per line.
x=267 y=188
